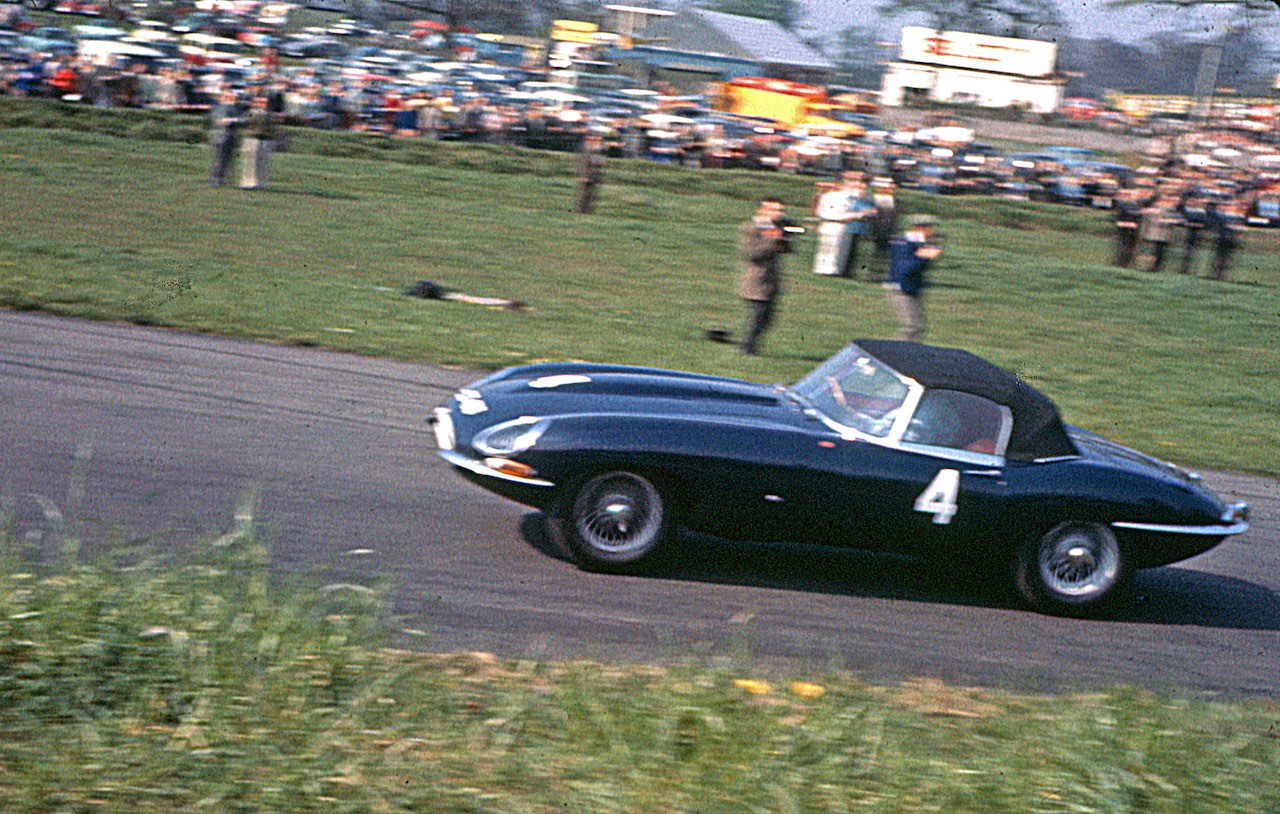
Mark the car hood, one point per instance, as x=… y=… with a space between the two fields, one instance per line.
x=581 y=388
x=1094 y=447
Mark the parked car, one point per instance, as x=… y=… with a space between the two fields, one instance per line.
x=210 y=50
x=311 y=47
x=887 y=445
x=1264 y=210
x=48 y=40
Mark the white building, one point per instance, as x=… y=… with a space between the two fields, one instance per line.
x=955 y=66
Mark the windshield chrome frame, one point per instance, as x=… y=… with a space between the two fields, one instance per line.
x=907 y=411
x=915 y=391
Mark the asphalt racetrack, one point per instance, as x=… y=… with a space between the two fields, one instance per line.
x=172 y=431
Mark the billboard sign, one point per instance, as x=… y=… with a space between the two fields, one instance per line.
x=959 y=49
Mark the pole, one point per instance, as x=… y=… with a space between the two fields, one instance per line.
x=1207 y=78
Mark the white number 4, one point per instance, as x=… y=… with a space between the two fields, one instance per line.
x=939 y=497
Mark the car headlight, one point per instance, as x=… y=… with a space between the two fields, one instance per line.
x=511 y=437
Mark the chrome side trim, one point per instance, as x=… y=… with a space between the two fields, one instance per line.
x=950 y=454
x=1208 y=531
x=472 y=465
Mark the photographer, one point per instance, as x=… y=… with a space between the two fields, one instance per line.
x=762 y=241
x=910 y=256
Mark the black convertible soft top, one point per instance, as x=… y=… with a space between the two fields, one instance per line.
x=1037 y=427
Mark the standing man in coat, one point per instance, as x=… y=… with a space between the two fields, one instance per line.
x=762 y=241
x=259 y=141
x=910 y=256
x=857 y=225
x=832 y=211
x=884 y=226
x=1156 y=227
x=590 y=159
x=1195 y=217
x=225 y=118
x=1128 y=216
x=1227 y=223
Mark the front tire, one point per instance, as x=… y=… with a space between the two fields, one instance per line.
x=1074 y=569
x=613 y=521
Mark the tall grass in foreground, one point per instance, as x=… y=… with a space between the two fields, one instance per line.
x=134 y=683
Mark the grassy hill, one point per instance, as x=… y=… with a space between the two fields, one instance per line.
x=106 y=215
x=135 y=681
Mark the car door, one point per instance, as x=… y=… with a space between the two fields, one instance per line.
x=940 y=482
x=776 y=485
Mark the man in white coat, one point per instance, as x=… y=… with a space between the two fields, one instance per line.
x=833 y=212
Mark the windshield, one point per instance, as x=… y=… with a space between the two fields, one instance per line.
x=857 y=391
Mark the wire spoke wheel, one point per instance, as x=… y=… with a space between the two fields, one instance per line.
x=618 y=515
x=1079 y=560
x=616 y=522
x=1071 y=569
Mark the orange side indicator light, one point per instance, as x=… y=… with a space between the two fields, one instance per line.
x=509 y=467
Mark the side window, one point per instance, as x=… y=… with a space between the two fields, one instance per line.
x=955 y=420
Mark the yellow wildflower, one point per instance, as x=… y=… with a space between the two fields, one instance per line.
x=806 y=690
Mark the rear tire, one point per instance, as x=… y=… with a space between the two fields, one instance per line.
x=1075 y=569
x=615 y=521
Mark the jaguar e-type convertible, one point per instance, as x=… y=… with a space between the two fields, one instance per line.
x=888 y=446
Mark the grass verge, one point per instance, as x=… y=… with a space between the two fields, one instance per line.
x=131 y=681
x=105 y=215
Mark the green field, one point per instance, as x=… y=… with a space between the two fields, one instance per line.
x=106 y=215
x=131 y=682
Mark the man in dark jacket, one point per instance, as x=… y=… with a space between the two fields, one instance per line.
x=1226 y=222
x=590 y=159
x=1194 y=220
x=910 y=256
x=259 y=141
x=225 y=119
x=884 y=226
x=1128 y=214
x=762 y=241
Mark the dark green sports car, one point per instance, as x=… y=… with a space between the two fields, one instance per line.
x=889 y=446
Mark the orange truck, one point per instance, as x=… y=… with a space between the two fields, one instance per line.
x=796 y=106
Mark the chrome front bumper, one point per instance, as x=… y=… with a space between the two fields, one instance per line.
x=480 y=468
x=1235 y=520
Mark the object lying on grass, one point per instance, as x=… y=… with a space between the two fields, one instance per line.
x=427 y=290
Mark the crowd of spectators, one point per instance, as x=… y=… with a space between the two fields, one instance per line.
x=1191 y=211
x=399 y=93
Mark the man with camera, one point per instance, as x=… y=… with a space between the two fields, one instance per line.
x=762 y=240
x=910 y=256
